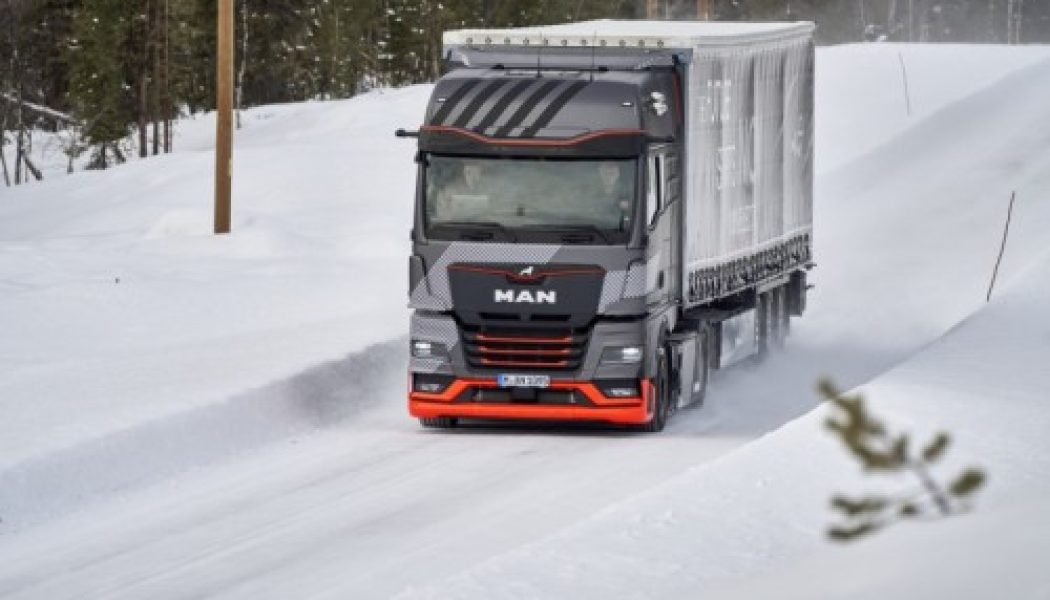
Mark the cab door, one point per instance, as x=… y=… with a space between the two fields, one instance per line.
x=660 y=225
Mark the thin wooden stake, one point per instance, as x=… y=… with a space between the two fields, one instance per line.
x=904 y=76
x=1002 y=247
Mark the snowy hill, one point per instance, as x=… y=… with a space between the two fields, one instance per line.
x=187 y=415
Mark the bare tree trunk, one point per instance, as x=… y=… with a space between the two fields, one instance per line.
x=31 y=169
x=909 y=27
x=924 y=21
x=1020 y=18
x=244 y=59
x=3 y=159
x=19 y=144
x=154 y=53
x=168 y=108
x=16 y=72
x=1013 y=21
x=992 y=35
x=891 y=18
x=143 y=91
x=143 y=143
x=1010 y=22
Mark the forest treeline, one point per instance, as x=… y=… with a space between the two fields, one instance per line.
x=107 y=69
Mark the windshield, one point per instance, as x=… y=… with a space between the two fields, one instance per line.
x=522 y=195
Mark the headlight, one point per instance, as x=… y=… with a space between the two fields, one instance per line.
x=425 y=349
x=627 y=355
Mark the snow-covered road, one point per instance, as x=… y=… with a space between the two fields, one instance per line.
x=282 y=475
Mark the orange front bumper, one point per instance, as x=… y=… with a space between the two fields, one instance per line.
x=623 y=411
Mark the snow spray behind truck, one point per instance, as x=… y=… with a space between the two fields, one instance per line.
x=606 y=212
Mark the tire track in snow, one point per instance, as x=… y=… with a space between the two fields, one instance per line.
x=323 y=396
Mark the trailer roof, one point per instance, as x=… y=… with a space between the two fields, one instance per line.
x=646 y=34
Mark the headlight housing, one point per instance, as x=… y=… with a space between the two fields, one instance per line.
x=430 y=383
x=427 y=349
x=623 y=355
x=619 y=388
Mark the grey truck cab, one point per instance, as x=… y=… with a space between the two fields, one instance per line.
x=604 y=212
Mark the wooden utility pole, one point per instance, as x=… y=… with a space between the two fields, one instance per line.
x=224 y=117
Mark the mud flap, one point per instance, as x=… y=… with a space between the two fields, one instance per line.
x=686 y=352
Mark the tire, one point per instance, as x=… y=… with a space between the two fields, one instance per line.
x=703 y=368
x=785 y=323
x=762 y=309
x=661 y=396
x=439 y=422
x=777 y=316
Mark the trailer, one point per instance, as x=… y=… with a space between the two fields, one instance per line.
x=606 y=212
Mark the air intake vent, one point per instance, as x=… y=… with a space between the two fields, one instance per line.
x=522 y=349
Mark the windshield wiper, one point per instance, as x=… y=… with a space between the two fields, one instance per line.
x=489 y=225
x=593 y=230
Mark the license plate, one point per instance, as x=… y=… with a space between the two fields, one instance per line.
x=532 y=381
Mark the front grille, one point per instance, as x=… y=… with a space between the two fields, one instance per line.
x=538 y=349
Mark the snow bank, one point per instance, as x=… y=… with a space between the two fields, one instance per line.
x=120 y=308
x=870 y=76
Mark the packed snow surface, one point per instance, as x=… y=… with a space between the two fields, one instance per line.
x=196 y=416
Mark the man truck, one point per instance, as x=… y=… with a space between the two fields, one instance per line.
x=606 y=212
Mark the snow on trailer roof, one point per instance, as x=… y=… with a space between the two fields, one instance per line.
x=647 y=34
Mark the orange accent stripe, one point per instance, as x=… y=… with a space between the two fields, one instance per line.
x=531 y=142
x=507 y=352
x=522 y=363
x=586 y=388
x=625 y=411
x=517 y=277
x=481 y=337
x=626 y=415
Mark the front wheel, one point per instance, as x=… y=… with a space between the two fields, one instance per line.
x=661 y=398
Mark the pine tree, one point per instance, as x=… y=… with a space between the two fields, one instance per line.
x=98 y=91
x=881 y=452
